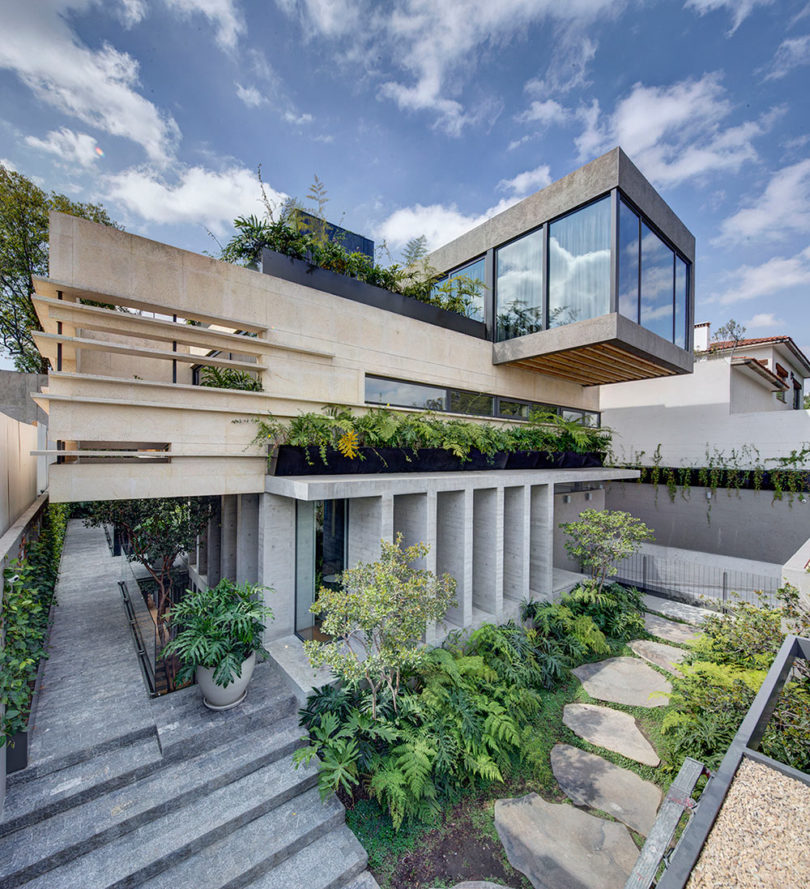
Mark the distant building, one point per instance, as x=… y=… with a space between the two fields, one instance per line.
x=744 y=396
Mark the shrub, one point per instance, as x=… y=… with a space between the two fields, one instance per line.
x=617 y=610
x=229 y=378
x=600 y=538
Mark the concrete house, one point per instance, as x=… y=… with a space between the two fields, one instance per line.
x=587 y=282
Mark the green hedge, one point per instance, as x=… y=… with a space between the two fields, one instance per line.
x=28 y=593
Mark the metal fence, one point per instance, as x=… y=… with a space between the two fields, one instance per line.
x=694 y=582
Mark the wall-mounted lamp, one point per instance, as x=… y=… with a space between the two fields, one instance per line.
x=708 y=495
x=566 y=498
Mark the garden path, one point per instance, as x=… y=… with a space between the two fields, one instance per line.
x=529 y=828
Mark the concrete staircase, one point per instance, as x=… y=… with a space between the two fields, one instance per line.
x=202 y=800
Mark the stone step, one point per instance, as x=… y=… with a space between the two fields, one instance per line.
x=47 y=765
x=680 y=634
x=364 y=881
x=690 y=614
x=331 y=862
x=185 y=725
x=36 y=798
x=161 y=819
x=611 y=729
x=667 y=657
x=254 y=849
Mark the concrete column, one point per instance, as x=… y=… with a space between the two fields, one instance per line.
x=214 y=536
x=433 y=632
x=371 y=519
x=227 y=522
x=247 y=538
x=454 y=553
x=541 y=565
x=516 y=527
x=276 y=561
x=487 y=578
x=410 y=520
x=202 y=553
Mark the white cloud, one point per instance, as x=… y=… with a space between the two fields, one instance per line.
x=434 y=43
x=674 y=132
x=131 y=12
x=4 y=162
x=739 y=9
x=792 y=53
x=221 y=13
x=774 y=275
x=527 y=182
x=198 y=196
x=784 y=206
x=763 y=321
x=98 y=87
x=71 y=147
x=545 y=113
x=249 y=95
x=567 y=70
x=295 y=118
x=439 y=224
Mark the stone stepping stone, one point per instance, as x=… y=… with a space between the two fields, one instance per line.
x=667 y=657
x=624 y=680
x=691 y=614
x=681 y=634
x=590 y=780
x=560 y=847
x=610 y=729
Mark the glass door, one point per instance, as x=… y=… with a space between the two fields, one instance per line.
x=320 y=557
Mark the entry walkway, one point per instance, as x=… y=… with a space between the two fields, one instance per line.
x=122 y=790
x=92 y=688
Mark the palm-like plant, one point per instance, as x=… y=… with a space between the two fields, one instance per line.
x=218 y=628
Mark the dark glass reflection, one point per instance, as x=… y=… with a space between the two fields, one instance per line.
x=399 y=394
x=681 y=295
x=519 y=287
x=469 y=403
x=628 y=262
x=513 y=409
x=320 y=558
x=657 y=270
x=474 y=270
x=579 y=265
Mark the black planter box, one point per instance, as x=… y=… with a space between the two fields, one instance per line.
x=301 y=272
x=17 y=753
x=291 y=460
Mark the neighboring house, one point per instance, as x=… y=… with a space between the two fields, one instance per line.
x=744 y=400
x=563 y=310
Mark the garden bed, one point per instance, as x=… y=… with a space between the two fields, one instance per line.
x=287 y=460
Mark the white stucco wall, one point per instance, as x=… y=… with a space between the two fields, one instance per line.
x=690 y=416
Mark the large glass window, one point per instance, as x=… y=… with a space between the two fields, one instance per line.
x=657 y=281
x=681 y=297
x=579 y=265
x=474 y=270
x=459 y=402
x=628 y=262
x=401 y=394
x=519 y=287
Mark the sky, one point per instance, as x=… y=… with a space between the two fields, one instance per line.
x=426 y=117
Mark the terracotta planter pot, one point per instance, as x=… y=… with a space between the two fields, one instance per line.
x=223 y=697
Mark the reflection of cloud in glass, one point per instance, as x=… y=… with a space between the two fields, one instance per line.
x=404 y=394
x=657 y=278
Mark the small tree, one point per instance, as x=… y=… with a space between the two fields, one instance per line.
x=732 y=330
x=600 y=539
x=157 y=531
x=378 y=618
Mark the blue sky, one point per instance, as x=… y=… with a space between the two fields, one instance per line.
x=426 y=116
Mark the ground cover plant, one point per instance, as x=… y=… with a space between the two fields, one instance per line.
x=28 y=593
x=723 y=673
x=338 y=429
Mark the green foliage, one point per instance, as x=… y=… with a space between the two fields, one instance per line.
x=24 y=253
x=28 y=593
x=381 y=427
x=729 y=662
x=156 y=532
x=229 y=378
x=731 y=330
x=600 y=539
x=218 y=628
x=615 y=609
x=378 y=617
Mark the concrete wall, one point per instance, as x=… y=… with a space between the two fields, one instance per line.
x=744 y=524
x=569 y=512
x=317 y=348
x=18 y=469
x=690 y=416
x=15 y=395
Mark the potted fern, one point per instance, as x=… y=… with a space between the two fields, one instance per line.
x=219 y=639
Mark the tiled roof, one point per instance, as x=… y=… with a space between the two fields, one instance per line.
x=730 y=344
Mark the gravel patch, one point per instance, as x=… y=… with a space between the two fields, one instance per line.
x=762 y=835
